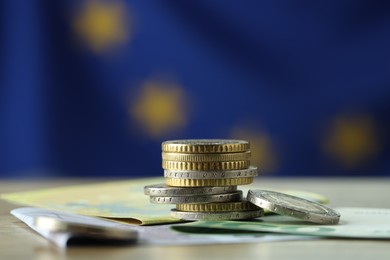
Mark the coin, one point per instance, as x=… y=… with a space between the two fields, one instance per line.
x=293 y=206
x=201 y=157
x=232 y=215
x=205 y=166
x=208 y=182
x=218 y=207
x=164 y=190
x=250 y=172
x=234 y=196
x=205 y=146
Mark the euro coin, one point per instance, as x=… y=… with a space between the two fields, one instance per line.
x=208 y=182
x=164 y=190
x=232 y=215
x=205 y=146
x=234 y=196
x=293 y=206
x=250 y=172
x=201 y=157
x=218 y=207
x=205 y=166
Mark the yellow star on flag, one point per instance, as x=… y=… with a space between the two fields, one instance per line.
x=160 y=108
x=103 y=25
x=351 y=140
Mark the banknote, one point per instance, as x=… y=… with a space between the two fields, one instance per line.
x=147 y=235
x=120 y=200
x=367 y=223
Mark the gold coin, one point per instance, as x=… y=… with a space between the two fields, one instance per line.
x=217 y=216
x=208 y=182
x=215 y=157
x=205 y=166
x=217 y=207
x=205 y=146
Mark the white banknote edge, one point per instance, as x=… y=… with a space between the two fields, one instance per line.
x=147 y=235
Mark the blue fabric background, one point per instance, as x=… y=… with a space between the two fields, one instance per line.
x=282 y=69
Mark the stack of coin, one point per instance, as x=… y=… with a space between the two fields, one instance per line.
x=201 y=178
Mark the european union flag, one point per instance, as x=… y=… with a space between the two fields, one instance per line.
x=92 y=87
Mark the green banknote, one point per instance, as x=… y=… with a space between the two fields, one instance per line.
x=372 y=223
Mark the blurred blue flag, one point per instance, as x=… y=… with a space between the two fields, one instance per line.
x=92 y=88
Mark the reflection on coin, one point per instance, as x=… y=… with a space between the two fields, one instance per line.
x=205 y=146
x=232 y=215
x=288 y=205
x=250 y=172
x=164 y=190
x=243 y=205
x=308 y=195
x=234 y=196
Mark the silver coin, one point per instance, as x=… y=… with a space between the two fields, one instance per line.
x=164 y=190
x=250 y=172
x=232 y=215
x=234 y=196
x=209 y=157
x=293 y=206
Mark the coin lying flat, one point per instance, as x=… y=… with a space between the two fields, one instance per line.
x=208 y=182
x=232 y=215
x=205 y=166
x=250 y=172
x=233 y=196
x=164 y=190
x=206 y=157
x=205 y=146
x=218 y=207
x=288 y=205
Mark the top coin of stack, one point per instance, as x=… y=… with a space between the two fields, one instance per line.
x=207 y=162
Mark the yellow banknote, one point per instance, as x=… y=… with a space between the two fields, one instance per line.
x=121 y=200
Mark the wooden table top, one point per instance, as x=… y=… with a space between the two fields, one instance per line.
x=17 y=241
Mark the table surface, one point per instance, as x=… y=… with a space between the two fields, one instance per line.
x=20 y=242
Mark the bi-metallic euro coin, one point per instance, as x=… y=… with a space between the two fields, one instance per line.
x=234 y=196
x=208 y=182
x=205 y=146
x=164 y=190
x=232 y=215
x=250 y=172
x=209 y=157
x=205 y=166
x=243 y=205
x=293 y=206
